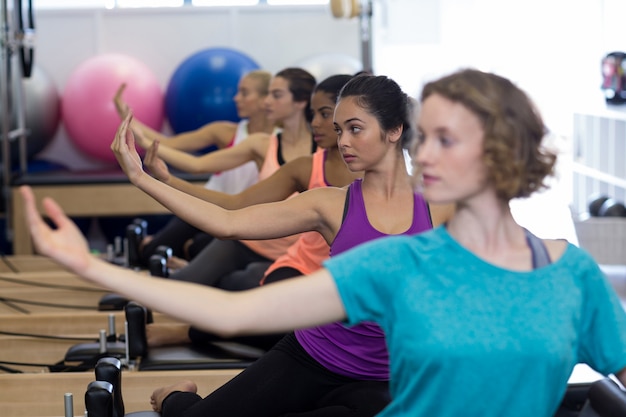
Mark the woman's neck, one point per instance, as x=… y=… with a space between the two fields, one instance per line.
x=485 y=222
x=295 y=130
x=388 y=177
x=259 y=123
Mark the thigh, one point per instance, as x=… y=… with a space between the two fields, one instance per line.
x=219 y=258
x=198 y=242
x=244 y=279
x=352 y=399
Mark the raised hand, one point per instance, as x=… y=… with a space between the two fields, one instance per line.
x=140 y=134
x=65 y=244
x=157 y=167
x=123 y=146
x=120 y=105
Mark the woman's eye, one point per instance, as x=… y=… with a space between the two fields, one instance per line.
x=445 y=141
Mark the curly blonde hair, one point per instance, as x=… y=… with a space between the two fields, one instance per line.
x=517 y=163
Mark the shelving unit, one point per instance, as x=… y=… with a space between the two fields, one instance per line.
x=599 y=168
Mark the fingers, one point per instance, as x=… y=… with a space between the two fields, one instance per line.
x=37 y=227
x=55 y=213
x=120 y=90
x=153 y=152
x=130 y=138
x=122 y=134
x=32 y=214
x=120 y=105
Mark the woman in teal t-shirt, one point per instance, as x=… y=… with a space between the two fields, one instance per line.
x=473 y=326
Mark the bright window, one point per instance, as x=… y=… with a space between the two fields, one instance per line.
x=110 y=4
x=149 y=3
x=224 y=2
x=296 y=2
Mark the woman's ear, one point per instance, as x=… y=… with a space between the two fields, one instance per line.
x=394 y=134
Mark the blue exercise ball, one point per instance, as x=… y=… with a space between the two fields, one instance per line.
x=202 y=88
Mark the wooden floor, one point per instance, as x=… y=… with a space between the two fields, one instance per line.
x=46 y=291
x=28 y=263
x=42 y=395
x=45 y=310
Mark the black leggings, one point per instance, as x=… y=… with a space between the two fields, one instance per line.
x=174 y=235
x=239 y=281
x=285 y=382
x=217 y=260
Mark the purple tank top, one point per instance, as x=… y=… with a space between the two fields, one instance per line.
x=359 y=351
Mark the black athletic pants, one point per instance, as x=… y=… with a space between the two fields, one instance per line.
x=174 y=235
x=219 y=259
x=285 y=382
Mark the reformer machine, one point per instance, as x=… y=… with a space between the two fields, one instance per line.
x=17 y=36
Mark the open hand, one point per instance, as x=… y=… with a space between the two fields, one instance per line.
x=123 y=147
x=65 y=244
x=141 y=138
x=158 y=168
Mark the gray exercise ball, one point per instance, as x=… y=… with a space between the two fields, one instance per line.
x=42 y=113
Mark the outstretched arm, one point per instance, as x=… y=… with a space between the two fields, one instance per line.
x=308 y=211
x=253 y=148
x=218 y=133
x=292 y=177
x=275 y=308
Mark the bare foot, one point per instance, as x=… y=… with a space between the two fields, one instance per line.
x=163 y=334
x=159 y=394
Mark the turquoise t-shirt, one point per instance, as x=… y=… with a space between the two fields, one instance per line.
x=467 y=338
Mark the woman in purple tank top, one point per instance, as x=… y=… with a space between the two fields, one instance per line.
x=332 y=369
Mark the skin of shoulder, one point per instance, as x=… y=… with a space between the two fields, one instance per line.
x=258 y=142
x=299 y=170
x=329 y=203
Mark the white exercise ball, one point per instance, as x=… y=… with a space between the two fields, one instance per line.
x=322 y=66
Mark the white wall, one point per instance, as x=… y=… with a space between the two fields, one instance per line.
x=275 y=37
x=550 y=48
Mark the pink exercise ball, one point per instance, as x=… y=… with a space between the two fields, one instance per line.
x=88 y=112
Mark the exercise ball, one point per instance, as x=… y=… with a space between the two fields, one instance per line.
x=595 y=204
x=88 y=111
x=42 y=114
x=612 y=208
x=323 y=66
x=202 y=88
